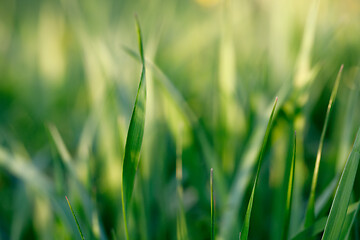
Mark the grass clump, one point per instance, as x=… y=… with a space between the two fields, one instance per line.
x=133 y=155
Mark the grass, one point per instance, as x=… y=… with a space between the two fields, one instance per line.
x=76 y=221
x=212 y=205
x=336 y=218
x=246 y=226
x=76 y=78
x=134 y=138
x=310 y=213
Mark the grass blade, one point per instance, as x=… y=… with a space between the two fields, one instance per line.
x=349 y=222
x=210 y=156
x=181 y=227
x=319 y=225
x=77 y=223
x=343 y=192
x=134 y=137
x=310 y=212
x=246 y=224
x=212 y=206
x=290 y=191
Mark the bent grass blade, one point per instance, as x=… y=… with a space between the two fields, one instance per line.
x=134 y=137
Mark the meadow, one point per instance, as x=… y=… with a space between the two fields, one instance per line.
x=181 y=119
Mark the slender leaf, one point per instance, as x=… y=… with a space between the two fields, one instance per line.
x=77 y=223
x=210 y=156
x=134 y=137
x=340 y=203
x=246 y=224
x=310 y=213
x=290 y=191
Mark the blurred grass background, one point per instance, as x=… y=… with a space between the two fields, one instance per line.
x=68 y=78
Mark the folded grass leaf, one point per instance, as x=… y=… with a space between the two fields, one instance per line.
x=340 y=203
x=210 y=156
x=246 y=225
x=77 y=223
x=310 y=212
x=134 y=137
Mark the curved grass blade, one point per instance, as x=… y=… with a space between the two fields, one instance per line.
x=211 y=158
x=290 y=191
x=310 y=212
x=246 y=224
x=77 y=223
x=340 y=203
x=319 y=225
x=134 y=137
x=212 y=206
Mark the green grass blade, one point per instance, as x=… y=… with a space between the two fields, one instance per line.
x=319 y=225
x=310 y=213
x=246 y=224
x=343 y=192
x=210 y=156
x=77 y=223
x=134 y=137
x=86 y=201
x=290 y=191
x=212 y=206
x=181 y=227
x=349 y=221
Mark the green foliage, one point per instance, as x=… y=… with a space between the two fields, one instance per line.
x=134 y=137
x=337 y=214
x=212 y=206
x=76 y=221
x=72 y=119
x=310 y=213
x=290 y=190
x=246 y=225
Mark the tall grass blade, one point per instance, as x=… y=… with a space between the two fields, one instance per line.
x=246 y=224
x=340 y=203
x=290 y=192
x=77 y=223
x=212 y=206
x=210 y=156
x=134 y=137
x=310 y=213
